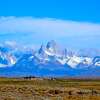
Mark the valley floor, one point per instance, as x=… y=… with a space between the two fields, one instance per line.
x=49 y=89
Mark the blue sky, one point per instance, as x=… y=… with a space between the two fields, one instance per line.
x=73 y=23
x=78 y=10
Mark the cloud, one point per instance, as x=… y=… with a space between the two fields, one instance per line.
x=49 y=28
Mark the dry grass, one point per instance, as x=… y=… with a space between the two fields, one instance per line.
x=46 y=89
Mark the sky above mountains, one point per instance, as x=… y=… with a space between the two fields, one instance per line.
x=72 y=23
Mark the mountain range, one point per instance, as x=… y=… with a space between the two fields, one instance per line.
x=48 y=61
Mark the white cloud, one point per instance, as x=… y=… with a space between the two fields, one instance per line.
x=49 y=28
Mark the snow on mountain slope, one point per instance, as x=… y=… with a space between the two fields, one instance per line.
x=62 y=61
x=48 y=54
x=49 y=60
x=74 y=61
x=87 y=60
x=6 y=59
x=96 y=61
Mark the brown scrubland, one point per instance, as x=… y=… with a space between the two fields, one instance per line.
x=49 y=89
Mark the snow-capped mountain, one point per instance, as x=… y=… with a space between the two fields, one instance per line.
x=47 y=60
x=7 y=60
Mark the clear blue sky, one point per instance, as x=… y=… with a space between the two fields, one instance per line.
x=79 y=10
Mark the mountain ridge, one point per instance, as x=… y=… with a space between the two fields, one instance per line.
x=47 y=61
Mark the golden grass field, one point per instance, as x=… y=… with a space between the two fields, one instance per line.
x=49 y=89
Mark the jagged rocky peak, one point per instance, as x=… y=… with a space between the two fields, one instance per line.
x=52 y=46
x=65 y=52
x=41 y=50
